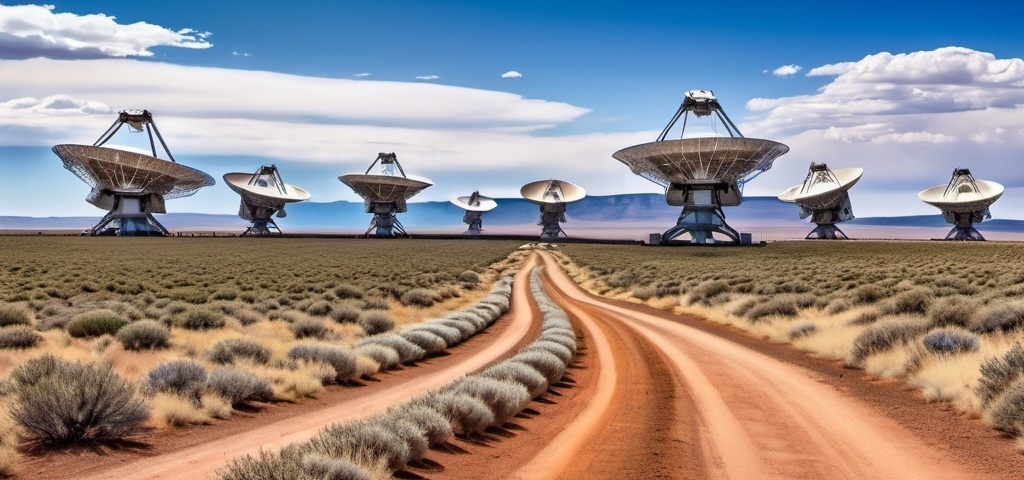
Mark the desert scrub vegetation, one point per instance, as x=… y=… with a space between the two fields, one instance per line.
x=908 y=309
x=383 y=443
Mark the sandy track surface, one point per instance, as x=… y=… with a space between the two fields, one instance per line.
x=198 y=452
x=675 y=401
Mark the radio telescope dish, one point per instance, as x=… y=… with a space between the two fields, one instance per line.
x=824 y=196
x=385 y=195
x=552 y=196
x=964 y=201
x=702 y=174
x=130 y=185
x=475 y=206
x=264 y=194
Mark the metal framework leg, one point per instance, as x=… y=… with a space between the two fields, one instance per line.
x=965 y=233
x=701 y=224
x=826 y=231
x=137 y=225
x=551 y=227
x=262 y=227
x=385 y=225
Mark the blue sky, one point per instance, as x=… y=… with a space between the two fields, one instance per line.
x=907 y=90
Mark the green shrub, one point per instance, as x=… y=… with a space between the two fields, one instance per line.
x=884 y=335
x=419 y=297
x=19 y=336
x=374 y=323
x=185 y=378
x=13 y=314
x=951 y=340
x=239 y=386
x=96 y=323
x=342 y=360
x=231 y=349
x=199 y=319
x=61 y=402
x=345 y=314
x=144 y=334
x=997 y=373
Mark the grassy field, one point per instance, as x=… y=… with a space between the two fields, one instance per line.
x=947 y=317
x=184 y=328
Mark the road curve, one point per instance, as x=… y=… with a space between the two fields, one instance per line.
x=729 y=411
x=210 y=452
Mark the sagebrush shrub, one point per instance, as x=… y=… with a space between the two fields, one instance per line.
x=14 y=314
x=466 y=329
x=429 y=342
x=1003 y=317
x=143 y=335
x=951 y=340
x=310 y=328
x=246 y=316
x=283 y=464
x=1007 y=411
x=61 y=402
x=435 y=426
x=342 y=360
x=884 y=335
x=869 y=293
x=230 y=350
x=469 y=277
x=319 y=308
x=345 y=314
x=386 y=357
x=419 y=297
x=375 y=304
x=374 y=323
x=348 y=291
x=239 y=386
x=544 y=362
x=521 y=373
x=952 y=311
x=364 y=441
x=225 y=294
x=96 y=323
x=407 y=351
x=915 y=301
x=185 y=378
x=327 y=468
x=997 y=373
x=450 y=335
x=19 y=336
x=199 y=319
x=468 y=414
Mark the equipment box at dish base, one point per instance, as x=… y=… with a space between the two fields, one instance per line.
x=654 y=239
x=746 y=239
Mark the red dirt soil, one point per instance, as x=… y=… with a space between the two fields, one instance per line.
x=650 y=395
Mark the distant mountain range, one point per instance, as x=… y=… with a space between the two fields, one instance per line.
x=646 y=209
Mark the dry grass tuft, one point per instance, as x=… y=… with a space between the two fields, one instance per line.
x=172 y=410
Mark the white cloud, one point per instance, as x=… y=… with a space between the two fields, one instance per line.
x=428 y=77
x=511 y=74
x=360 y=75
x=30 y=31
x=786 y=70
x=240 y=54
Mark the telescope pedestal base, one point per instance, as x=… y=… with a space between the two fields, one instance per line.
x=701 y=223
x=965 y=233
x=131 y=217
x=262 y=227
x=551 y=217
x=385 y=225
x=826 y=231
x=475 y=222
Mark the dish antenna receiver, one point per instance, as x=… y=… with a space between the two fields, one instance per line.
x=263 y=194
x=129 y=183
x=384 y=195
x=964 y=201
x=552 y=196
x=475 y=206
x=701 y=174
x=824 y=196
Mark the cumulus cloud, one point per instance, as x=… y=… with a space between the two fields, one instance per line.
x=428 y=77
x=786 y=70
x=30 y=31
x=907 y=118
x=511 y=74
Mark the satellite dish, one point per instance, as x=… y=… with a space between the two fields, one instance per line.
x=552 y=196
x=475 y=206
x=964 y=201
x=702 y=174
x=128 y=182
x=263 y=194
x=385 y=195
x=824 y=196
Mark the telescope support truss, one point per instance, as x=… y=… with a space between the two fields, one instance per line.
x=551 y=216
x=701 y=222
x=130 y=217
x=475 y=222
x=385 y=221
x=963 y=226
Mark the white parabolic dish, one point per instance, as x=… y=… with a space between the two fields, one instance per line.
x=266 y=195
x=128 y=172
x=384 y=188
x=964 y=198
x=700 y=159
x=486 y=203
x=823 y=195
x=552 y=191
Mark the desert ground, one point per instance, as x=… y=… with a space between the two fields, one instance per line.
x=664 y=378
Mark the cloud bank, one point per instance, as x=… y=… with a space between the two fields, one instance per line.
x=31 y=31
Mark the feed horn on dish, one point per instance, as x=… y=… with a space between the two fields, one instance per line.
x=385 y=195
x=963 y=201
x=129 y=183
x=263 y=194
x=701 y=174
x=825 y=197
x=552 y=196
x=475 y=206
